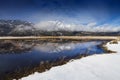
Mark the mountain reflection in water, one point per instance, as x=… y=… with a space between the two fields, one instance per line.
x=20 y=55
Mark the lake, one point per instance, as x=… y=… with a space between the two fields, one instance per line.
x=19 y=57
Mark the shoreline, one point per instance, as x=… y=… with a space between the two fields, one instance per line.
x=107 y=67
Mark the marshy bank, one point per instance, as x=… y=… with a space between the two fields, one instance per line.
x=21 y=58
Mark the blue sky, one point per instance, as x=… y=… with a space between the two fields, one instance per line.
x=68 y=11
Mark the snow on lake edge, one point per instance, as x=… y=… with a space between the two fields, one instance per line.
x=114 y=47
x=96 y=67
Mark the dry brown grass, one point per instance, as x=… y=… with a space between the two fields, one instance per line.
x=62 y=37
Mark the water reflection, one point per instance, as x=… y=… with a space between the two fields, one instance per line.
x=31 y=54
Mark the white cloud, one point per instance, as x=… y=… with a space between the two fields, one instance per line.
x=91 y=24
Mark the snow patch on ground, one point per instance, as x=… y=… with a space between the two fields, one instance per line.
x=114 y=47
x=96 y=67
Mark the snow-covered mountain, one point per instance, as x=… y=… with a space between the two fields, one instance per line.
x=90 y=27
x=15 y=27
x=55 y=28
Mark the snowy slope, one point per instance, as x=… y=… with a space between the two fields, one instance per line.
x=96 y=67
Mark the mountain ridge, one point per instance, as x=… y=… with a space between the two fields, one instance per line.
x=24 y=28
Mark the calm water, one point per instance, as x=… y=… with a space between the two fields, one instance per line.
x=46 y=52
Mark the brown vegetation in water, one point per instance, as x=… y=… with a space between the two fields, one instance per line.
x=43 y=66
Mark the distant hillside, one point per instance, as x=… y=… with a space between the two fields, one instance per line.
x=24 y=28
x=15 y=27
